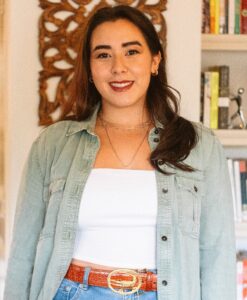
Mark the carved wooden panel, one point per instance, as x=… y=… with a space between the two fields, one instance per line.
x=60 y=27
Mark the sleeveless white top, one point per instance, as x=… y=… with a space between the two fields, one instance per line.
x=117 y=219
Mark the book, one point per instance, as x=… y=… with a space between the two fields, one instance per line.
x=243 y=183
x=243 y=17
x=214 y=100
x=231 y=16
x=223 y=112
x=212 y=6
x=217 y=16
x=237 y=189
x=222 y=17
x=237 y=17
x=205 y=16
x=224 y=78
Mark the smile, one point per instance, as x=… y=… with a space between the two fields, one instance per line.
x=121 y=86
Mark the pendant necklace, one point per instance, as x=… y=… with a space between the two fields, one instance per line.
x=142 y=125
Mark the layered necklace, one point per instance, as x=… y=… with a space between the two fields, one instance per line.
x=107 y=124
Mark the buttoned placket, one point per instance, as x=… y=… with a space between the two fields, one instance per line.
x=164 y=223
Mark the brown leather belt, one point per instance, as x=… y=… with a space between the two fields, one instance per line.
x=117 y=279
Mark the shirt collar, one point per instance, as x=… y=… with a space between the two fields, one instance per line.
x=87 y=125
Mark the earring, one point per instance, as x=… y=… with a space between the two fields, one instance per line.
x=155 y=73
x=90 y=79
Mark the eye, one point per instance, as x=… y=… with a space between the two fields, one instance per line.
x=102 y=55
x=132 y=52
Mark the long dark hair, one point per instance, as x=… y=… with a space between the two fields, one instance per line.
x=174 y=145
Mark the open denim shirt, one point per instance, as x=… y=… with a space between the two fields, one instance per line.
x=195 y=229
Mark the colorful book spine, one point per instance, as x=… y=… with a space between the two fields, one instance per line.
x=222 y=17
x=237 y=16
x=217 y=16
x=212 y=16
x=243 y=182
x=243 y=17
x=231 y=16
x=205 y=16
x=214 y=100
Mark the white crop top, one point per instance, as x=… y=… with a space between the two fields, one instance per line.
x=117 y=219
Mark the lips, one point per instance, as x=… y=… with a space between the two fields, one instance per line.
x=121 y=86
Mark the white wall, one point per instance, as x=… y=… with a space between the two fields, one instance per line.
x=22 y=98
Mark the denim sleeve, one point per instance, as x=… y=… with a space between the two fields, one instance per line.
x=217 y=239
x=28 y=222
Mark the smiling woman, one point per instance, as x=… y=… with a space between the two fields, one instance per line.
x=125 y=199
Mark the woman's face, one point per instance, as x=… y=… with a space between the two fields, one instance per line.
x=121 y=63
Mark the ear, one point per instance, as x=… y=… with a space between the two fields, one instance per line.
x=155 y=62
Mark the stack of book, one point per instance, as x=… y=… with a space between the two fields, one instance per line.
x=242 y=275
x=224 y=16
x=215 y=98
x=238 y=176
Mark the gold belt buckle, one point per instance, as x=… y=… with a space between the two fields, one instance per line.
x=124 y=284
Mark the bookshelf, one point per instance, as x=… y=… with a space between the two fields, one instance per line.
x=229 y=49
x=224 y=42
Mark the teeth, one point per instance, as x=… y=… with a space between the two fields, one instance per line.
x=121 y=84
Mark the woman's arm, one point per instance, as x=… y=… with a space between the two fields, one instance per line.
x=27 y=226
x=217 y=240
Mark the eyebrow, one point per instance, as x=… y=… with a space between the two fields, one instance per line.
x=123 y=45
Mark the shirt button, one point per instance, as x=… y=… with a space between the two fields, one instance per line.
x=156 y=131
x=160 y=162
x=156 y=140
x=165 y=191
x=164 y=282
x=195 y=189
x=164 y=238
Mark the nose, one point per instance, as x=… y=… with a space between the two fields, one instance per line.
x=119 y=65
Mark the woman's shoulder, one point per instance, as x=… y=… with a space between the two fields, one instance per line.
x=57 y=134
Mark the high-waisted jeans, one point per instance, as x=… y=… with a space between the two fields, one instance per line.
x=70 y=290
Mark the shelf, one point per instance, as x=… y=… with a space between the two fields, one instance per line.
x=232 y=137
x=241 y=230
x=224 y=42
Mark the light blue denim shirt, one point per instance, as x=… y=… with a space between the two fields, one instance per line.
x=195 y=229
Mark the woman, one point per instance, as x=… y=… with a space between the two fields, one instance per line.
x=128 y=199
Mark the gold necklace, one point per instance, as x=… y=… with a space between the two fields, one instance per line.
x=119 y=126
x=114 y=150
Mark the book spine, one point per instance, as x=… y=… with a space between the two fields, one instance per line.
x=205 y=16
x=243 y=13
x=214 y=100
x=227 y=15
x=217 y=16
x=212 y=16
x=237 y=16
x=224 y=73
x=222 y=19
x=207 y=98
x=223 y=114
x=238 y=189
x=231 y=16
x=243 y=178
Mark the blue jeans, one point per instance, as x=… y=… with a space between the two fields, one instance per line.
x=70 y=290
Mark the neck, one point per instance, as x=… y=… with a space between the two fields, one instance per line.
x=125 y=116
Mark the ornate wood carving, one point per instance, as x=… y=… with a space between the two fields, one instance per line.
x=60 y=27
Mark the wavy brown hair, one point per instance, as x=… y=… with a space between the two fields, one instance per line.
x=174 y=145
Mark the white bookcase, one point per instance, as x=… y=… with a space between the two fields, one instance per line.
x=230 y=50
